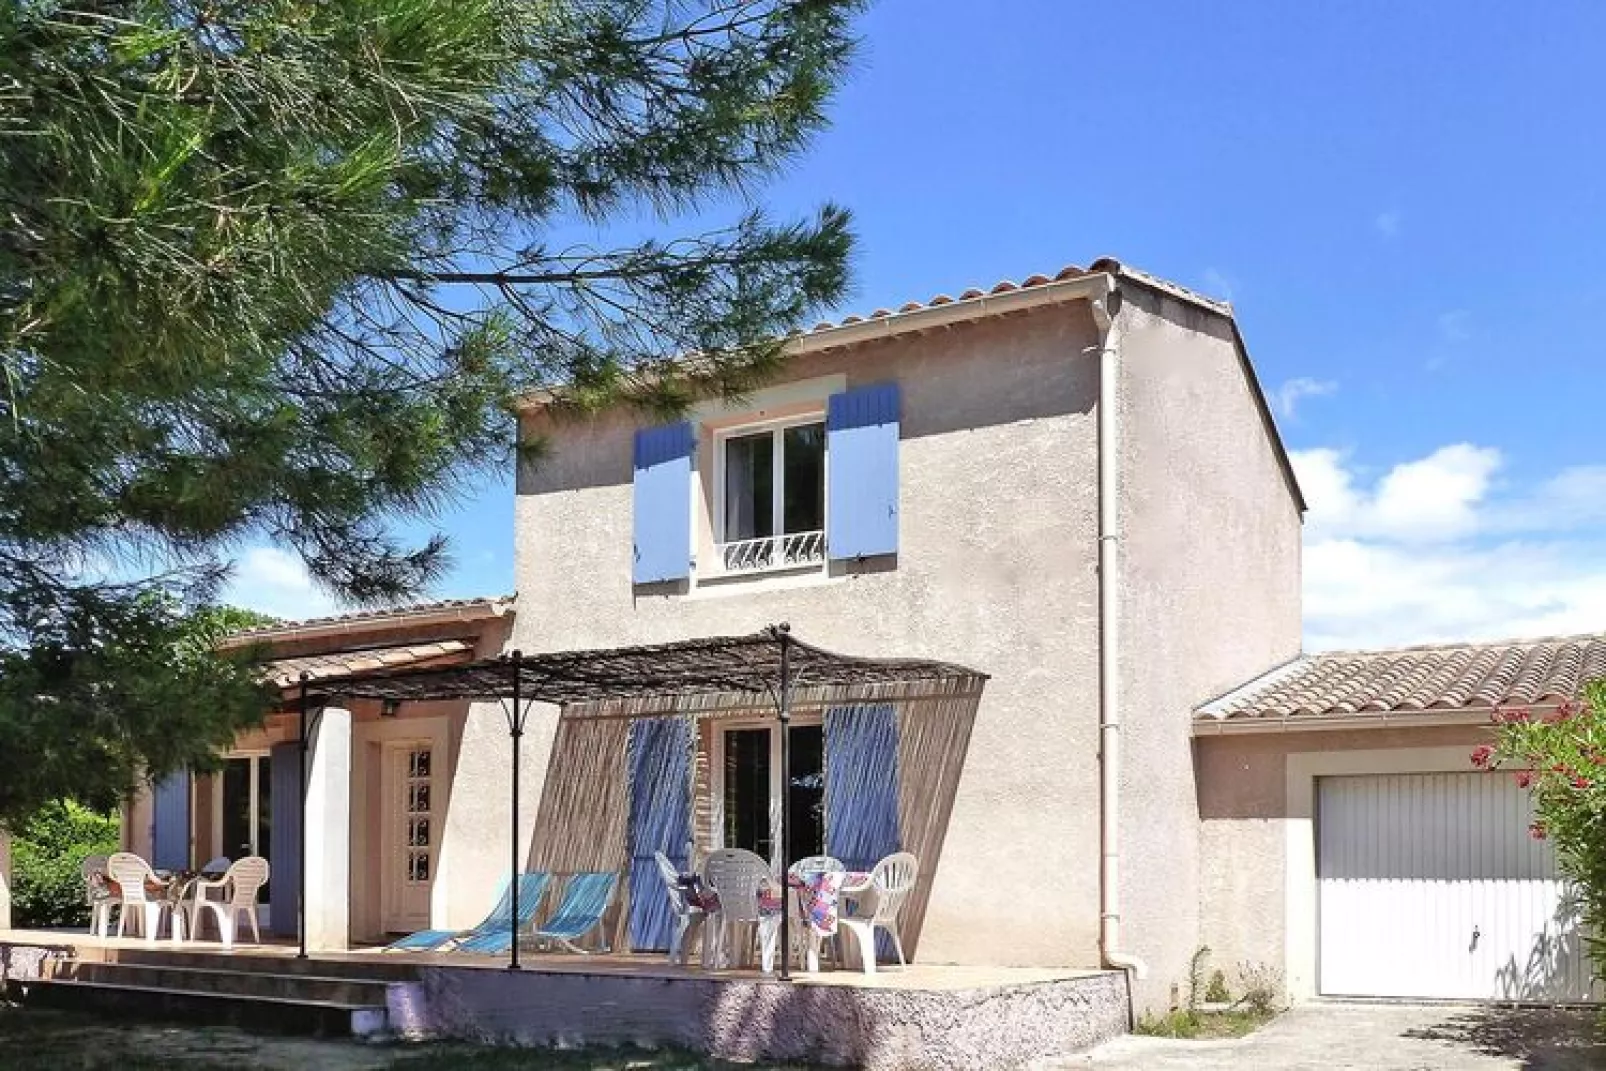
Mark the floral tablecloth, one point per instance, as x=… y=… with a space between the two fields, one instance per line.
x=819 y=894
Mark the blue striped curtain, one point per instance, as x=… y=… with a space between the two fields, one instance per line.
x=660 y=821
x=861 y=791
x=861 y=785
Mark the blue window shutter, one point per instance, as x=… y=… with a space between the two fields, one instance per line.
x=861 y=429
x=660 y=821
x=284 y=852
x=170 y=823
x=663 y=503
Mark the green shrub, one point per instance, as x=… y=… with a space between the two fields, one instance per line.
x=47 y=859
x=1217 y=992
x=1560 y=758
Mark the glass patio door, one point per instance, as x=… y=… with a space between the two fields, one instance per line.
x=245 y=808
x=749 y=787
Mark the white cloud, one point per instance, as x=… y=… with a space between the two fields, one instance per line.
x=1388 y=223
x=1436 y=550
x=1288 y=396
x=1455 y=325
x=276 y=582
x=1361 y=594
x=1431 y=499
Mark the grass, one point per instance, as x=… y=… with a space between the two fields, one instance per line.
x=41 y=1039
x=1182 y=1023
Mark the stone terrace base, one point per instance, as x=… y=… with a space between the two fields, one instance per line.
x=923 y=1016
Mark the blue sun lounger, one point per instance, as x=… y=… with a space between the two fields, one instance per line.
x=492 y=935
x=585 y=901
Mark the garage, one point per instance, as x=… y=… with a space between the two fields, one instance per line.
x=1430 y=886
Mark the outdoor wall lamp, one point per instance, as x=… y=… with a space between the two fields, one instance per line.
x=389 y=708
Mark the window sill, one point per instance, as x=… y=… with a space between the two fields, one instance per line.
x=741 y=576
x=715 y=585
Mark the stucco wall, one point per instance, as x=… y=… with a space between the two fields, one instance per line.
x=995 y=570
x=1210 y=539
x=1245 y=823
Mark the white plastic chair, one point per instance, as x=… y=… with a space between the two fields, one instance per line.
x=688 y=919
x=200 y=886
x=130 y=872
x=239 y=888
x=97 y=895
x=737 y=876
x=876 y=905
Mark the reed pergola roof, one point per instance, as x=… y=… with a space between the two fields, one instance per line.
x=716 y=665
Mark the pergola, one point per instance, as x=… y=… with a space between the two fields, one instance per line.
x=770 y=664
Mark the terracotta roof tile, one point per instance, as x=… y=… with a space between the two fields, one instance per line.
x=376 y=616
x=1450 y=677
x=322 y=667
x=1006 y=286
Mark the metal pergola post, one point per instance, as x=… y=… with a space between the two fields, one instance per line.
x=783 y=708
x=515 y=728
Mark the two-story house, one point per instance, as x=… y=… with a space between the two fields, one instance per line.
x=1073 y=485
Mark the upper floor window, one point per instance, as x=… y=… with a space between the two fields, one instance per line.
x=788 y=492
x=770 y=482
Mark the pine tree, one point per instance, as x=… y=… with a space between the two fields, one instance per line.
x=274 y=269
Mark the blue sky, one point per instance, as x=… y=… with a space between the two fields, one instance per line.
x=1402 y=201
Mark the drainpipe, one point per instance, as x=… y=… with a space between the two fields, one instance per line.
x=1105 y=312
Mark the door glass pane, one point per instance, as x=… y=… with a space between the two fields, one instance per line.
x=236 y=817
x=749 y=486
x=806 y=830
x=416 y=821
x=803 y=458
x=747 y=790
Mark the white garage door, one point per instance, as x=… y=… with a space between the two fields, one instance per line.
x=1431 y=887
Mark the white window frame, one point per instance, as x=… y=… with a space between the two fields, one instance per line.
x=255 y=756
x=777 y=428
x=716 y=778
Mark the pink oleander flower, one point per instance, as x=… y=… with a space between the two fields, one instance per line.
x=1524 y=779
x=1481 y=756
x=1537 y=831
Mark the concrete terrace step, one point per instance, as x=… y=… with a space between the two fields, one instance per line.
x=317 y=1018
x=363 y=992
x=392 y=968
x=253 y=998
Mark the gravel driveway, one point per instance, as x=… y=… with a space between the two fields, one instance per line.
x=1378 y=1037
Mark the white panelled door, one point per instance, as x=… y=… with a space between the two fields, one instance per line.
x=410 y=832
x=1431 y=886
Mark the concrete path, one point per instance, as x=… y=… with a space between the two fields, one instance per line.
x=1378 y=1037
